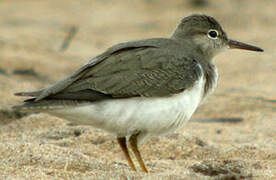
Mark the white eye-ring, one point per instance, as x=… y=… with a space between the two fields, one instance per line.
x=213 y=34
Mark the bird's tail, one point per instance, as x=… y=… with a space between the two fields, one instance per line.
x=56 y=101
x=47 y=105
x=28 y=104
x=31 y=94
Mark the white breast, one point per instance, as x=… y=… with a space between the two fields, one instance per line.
x=124 y=117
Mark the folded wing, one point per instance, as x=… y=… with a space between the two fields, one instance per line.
x=149 y=68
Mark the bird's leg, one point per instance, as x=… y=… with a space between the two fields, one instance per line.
x=122 y=143
x=134 y=147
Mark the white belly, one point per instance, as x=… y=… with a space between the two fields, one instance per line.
x=124 y=117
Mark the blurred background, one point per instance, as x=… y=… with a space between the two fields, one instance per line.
x=41 y=42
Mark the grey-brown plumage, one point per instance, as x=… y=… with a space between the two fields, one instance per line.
x=151 y=67
x=121 y=89
x=128 y=70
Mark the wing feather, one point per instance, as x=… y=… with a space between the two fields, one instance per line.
x=150 y=68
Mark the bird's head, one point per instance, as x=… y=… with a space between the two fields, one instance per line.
x=206 y=35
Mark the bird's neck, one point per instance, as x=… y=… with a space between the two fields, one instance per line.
x=210 y=75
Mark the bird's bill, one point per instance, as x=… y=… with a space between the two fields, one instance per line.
x=240 y=45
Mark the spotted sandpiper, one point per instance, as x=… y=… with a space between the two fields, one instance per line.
x=139 y=89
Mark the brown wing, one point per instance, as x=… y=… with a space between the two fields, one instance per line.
x=145 y=71
x=150 y=68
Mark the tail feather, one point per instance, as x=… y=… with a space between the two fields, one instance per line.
x=57 y=101
x=29 y=100
x=32 y=94
x=46 y=105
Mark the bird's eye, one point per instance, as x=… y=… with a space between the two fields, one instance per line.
x=213 y=34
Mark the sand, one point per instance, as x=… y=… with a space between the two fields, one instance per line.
x=40 y=146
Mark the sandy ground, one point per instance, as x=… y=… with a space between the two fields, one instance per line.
x=39 y=146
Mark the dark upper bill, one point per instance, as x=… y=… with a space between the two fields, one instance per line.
x=239 y=45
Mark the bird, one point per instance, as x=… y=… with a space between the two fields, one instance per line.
x=139 y=89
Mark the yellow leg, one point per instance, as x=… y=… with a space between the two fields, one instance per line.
x=122 y=143
x=134 y=147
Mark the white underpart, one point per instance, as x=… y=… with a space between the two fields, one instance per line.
x=151 y=116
